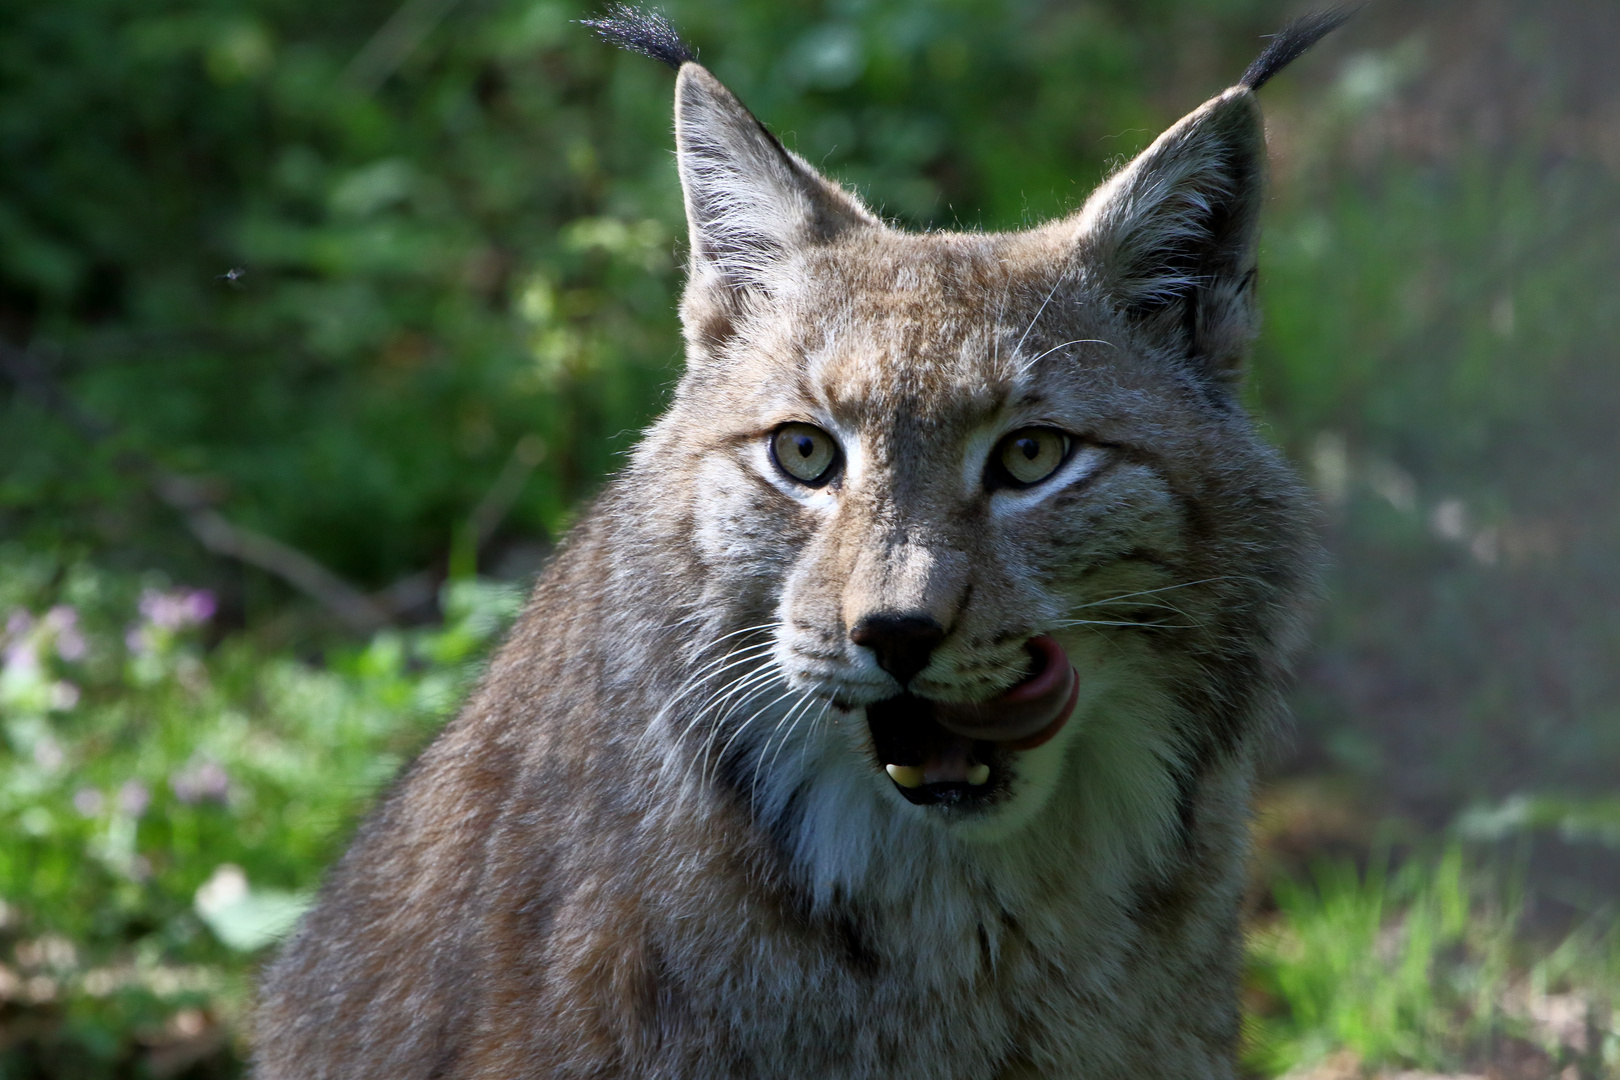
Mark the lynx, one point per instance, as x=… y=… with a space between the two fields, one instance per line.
x=894 y=712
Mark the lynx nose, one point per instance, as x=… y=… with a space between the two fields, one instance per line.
x=901 y=643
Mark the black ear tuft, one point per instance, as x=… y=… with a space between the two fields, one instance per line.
x=1292 y=41
x=642 y=31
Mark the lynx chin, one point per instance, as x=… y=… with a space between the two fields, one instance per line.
x=894 y=712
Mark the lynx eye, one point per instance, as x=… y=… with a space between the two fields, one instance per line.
x=1029 y=455
x=805 y=453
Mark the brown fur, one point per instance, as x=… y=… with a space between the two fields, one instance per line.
x=657 y=841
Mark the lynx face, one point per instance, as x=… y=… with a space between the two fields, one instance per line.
x=959 y=492
x=973 y=510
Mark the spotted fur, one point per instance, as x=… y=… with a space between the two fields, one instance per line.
x=657 y=842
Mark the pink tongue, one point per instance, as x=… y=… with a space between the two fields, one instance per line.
x=1028 y=714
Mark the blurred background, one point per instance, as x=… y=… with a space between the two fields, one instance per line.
x=318 y=321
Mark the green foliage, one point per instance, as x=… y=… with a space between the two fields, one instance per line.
x=1421 y=968
x=168 y=808
x=338 y=298
x=335 y=261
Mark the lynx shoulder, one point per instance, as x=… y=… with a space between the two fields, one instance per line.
x=894 y=712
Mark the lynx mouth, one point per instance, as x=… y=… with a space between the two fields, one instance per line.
x=954 y=753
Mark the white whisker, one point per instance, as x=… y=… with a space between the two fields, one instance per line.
x=1077 y=341
x=1038 y=313
x=709 y=671
x=784 y=728
x=746 y=724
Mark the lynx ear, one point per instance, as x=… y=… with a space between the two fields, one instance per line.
x=749 y=201
x=1170 y=239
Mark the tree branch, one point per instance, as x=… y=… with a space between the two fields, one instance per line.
x=189 y=497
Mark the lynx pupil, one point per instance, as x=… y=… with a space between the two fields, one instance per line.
x=1030 y=455
x=804 y=452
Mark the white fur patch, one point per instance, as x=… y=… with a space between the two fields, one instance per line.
x=1083 y=461
x=1100 y=795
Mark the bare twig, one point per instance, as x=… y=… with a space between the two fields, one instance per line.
x=357 y=610
x=190 y=497
x=503 y=494
x=394 y=42
x=193 y=498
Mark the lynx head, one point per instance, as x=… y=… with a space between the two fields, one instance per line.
x=978 y=516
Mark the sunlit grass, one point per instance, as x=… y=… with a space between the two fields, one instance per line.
x=1423 y=967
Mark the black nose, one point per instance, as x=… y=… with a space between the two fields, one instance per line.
x=901 y=643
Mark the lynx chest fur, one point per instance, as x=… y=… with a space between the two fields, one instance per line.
x=894 y=712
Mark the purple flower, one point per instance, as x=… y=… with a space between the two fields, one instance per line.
x=135 y=640
x=204 y=781
x=64 y=621
x=88 y=801
x=133 y=798
x=179 y=608
x=18 y=623
x=202 y=604
x=22 y=658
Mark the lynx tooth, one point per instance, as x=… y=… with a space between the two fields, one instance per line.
x=907 y=776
